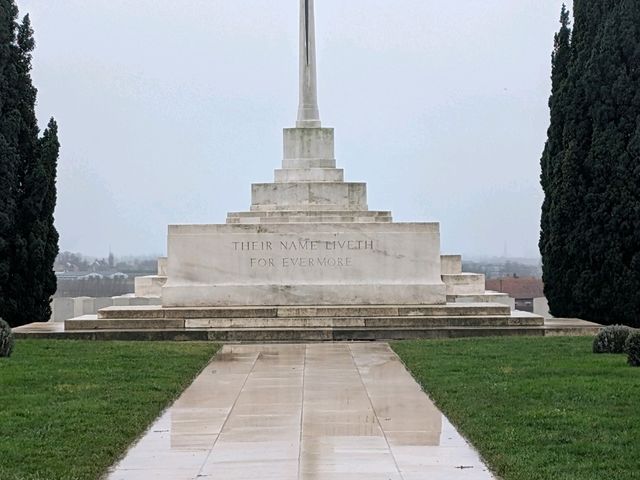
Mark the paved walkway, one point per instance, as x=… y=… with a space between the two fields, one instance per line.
x=312 y=412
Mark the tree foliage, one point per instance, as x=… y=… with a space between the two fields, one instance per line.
x=590 y=235
x=28 y=164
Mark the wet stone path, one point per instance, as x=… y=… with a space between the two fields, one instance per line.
x=312 y=412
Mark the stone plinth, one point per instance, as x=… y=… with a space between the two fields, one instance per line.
x=305 y=264
x=451 y=264
x=302 y=195
x=396 y=320
x=150 y=286
x=464 y=284
x=162 y=266
x=309 y=148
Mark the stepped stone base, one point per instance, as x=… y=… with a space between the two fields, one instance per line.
x=58 y=331
x=316 y=323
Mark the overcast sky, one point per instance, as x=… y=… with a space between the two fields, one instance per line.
x=170 y=109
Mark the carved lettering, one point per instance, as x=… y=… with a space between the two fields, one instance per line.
x=312 y=262
x=252 y=246
x=262 y=263
x=338 y=259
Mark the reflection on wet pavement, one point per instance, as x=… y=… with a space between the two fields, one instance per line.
x=313 y=412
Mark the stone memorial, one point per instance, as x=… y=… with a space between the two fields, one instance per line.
x=309 y=238
x=310 y=254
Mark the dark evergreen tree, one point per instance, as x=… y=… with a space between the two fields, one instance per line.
x=591 y=250
x=30 y=163
x=9 y=126
x=551 y=242
x=50 y=150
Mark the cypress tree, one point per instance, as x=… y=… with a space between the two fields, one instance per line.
x=30 y=162
x=550 y=242
x=9 y=126
x=594 y=223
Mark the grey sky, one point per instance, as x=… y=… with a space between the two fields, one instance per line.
x=169 y=109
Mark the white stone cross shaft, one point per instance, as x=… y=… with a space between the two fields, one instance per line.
x=308 y=113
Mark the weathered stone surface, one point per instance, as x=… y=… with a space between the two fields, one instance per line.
x=391 y=317
x=204 y=313
x=63 y=309
x=297 y=196
x=451 y=264
x=315 y=264
x=83 y=306
x=486 y=297
x=541 y=307
x=55 y=331
x=452 y=309
x=149 y=286
x=464 y=284
x=309 y=148
x=162 y=266
x=313 y=312
x=89 y=323
x=133 y=312
x=337 y=311
x=391 y=323
x=289 y=175
x=302 y=216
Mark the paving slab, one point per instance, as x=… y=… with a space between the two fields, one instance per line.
x=327 y=411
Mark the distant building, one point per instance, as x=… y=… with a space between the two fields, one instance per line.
x=502 y=268
x=74 y=275
x=118 y=276
x=523 y=290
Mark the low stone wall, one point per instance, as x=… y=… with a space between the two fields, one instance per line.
x=541 y=307
x=65 y=308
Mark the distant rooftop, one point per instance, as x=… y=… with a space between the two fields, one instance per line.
x=526 y=287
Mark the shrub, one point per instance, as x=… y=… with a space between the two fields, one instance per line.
x=611 y=339
x=6 y=339
x=632 y=348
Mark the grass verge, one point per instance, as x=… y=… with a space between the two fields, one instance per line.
x=69 y=409
x=536 y=408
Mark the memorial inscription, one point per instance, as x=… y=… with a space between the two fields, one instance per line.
x=321 y=260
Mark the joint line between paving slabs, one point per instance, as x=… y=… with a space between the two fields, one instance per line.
x=384 y=434
x=304 y=371
x=226 y=420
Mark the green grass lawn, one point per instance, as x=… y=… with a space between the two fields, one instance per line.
x=536 y=408
x=68 y=410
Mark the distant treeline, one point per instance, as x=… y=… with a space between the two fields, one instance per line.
x=94 y=287
x=503 y=269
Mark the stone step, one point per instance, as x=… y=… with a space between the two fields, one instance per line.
x=448 y=310
x=345 y=322
x=297 y=216
x=308 y=208
x=330 y=195
x=516 y=319
x=486 y=297
x=352 y=218
x=464 y=284
x=309 y=163
x=295 y=335
x=288 y=175
x=310 y=213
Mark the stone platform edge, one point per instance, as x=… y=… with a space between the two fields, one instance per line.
x=55 y=331
x=158 y=312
